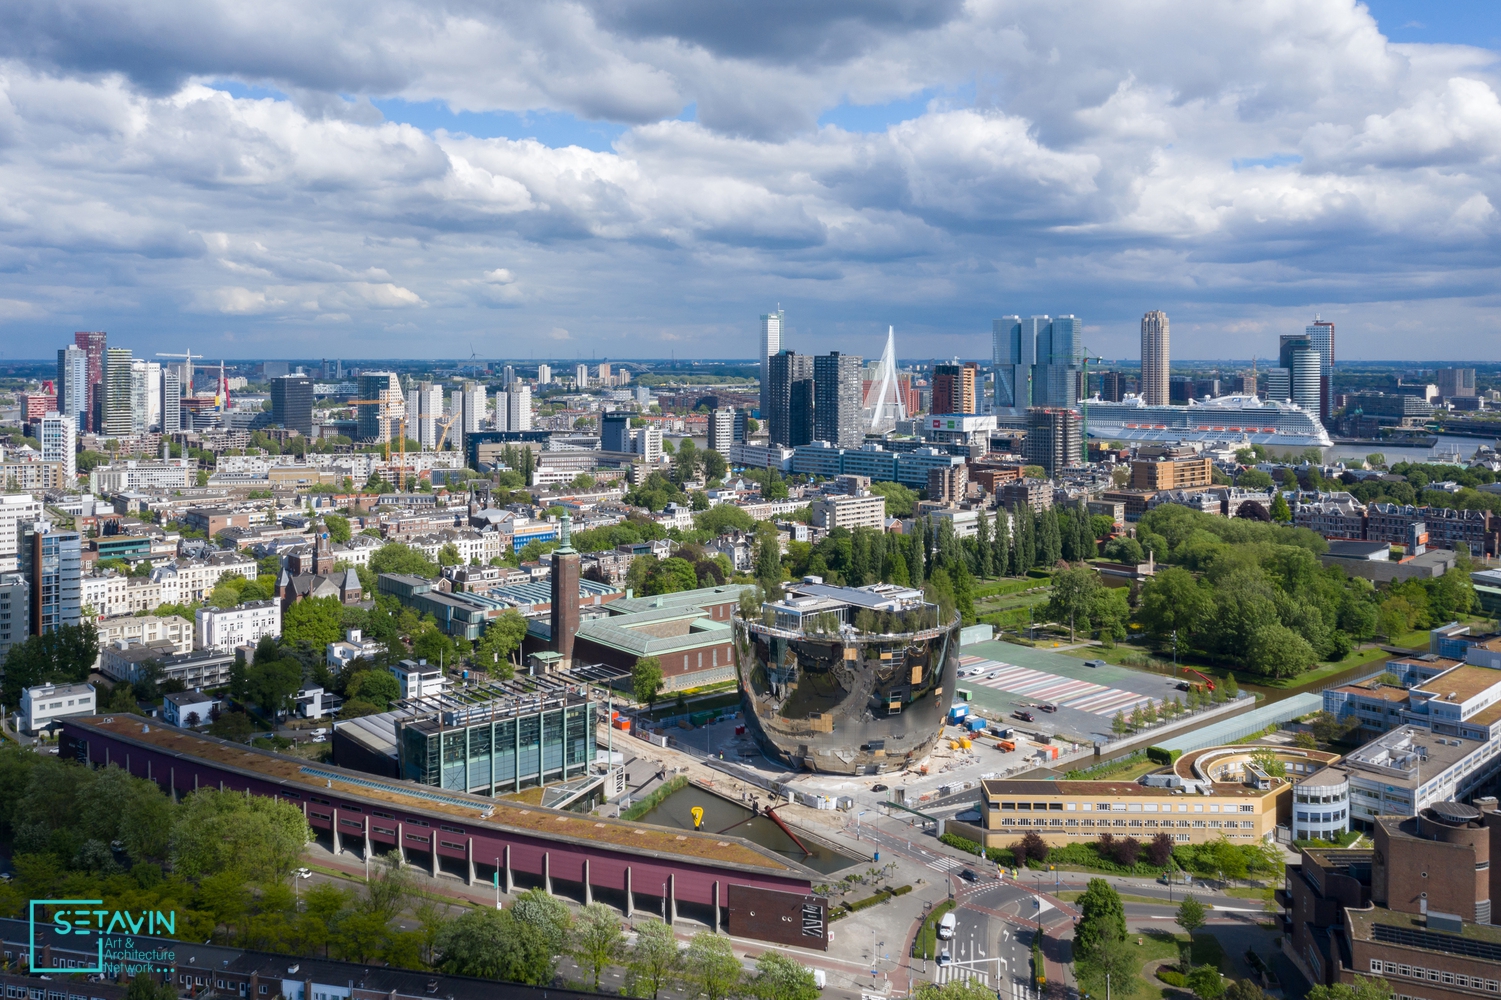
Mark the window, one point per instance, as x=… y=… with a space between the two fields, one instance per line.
x=451 y=845
x=450 y=829
x=382 y=815
x=417 y=822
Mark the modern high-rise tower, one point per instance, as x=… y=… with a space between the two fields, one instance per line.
x=292 y=403
x=116 y=391
x=1320 y=334
x=789 y=414
x=836 y=403
x=1037 y=361
x=73 y=384
x=771 y=343
x=1154 y=358
x=954 y=388
x=93 y=344
x=429 y=397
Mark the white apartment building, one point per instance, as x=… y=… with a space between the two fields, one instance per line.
x=544 y=374
x=1411 y=768
x=134 y=476
x=518 y=408
x=148 y=628
x=429 y=404
x=647 y=442
x=60 y=444
x=353 y=646
x=189 y=709
x=471 y=545
x=106 y=594
x=226 y=628
x=581 y=376
x=16 y=510
x=850 y=512
x=418 y=678
x=44 y=704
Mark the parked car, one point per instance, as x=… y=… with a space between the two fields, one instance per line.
x=943 y=957
x=1024 y=716
x=969 y=876
x=878 y=788
x=303 y=873
x=1094 y=663
x=1049 y=708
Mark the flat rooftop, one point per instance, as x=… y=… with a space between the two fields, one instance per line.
x=1396 y=756
x=1461 y=684
x=1376 y=692
x=1391 y=927
x=553 y=824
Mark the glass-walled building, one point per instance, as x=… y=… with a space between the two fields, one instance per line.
x=487 y=739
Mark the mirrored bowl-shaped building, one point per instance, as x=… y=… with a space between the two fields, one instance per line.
x=847 y=680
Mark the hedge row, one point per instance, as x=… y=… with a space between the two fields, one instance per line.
x=845 y=909
x=641 y=807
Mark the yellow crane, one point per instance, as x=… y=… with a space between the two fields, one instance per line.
x=399 y=424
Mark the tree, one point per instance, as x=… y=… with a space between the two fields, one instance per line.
x=387 y=888
x=66 y=654
x=1244 y=989
x=272 y=685
x=1280 y=512
x=900 y=500
x=1110 y=955
x=432 y=645
x=476 y=944
x=954 y=989
x=1373 y=988
x=1072 y=595
x=394 y=557
x=671 y=575
x=251 y=837
x=781 y=978
x=317 y=621
x=1118 y=724
x=1268 y=761
x=1206 y=981
x=233 y=726
x=596 y=940
x=1191 y=915
x=655 y=961
x=503 y=636
x=1101 y=913
x=711 y=966
x=723 y=518
x=1277 y=651
x=646 y=680
x=1173 y=601
x=337 y=527
x=143 y=987
x=448 y=555
x=377 y=686
x=1160 y=850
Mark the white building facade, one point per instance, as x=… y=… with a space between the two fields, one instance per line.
x=226 y=628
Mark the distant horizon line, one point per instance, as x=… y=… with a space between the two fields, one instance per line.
x=532 y=363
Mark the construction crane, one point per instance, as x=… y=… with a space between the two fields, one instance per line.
x=188 y=357
x=394 y=423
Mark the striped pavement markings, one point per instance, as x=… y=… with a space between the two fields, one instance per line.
x=1082 y=696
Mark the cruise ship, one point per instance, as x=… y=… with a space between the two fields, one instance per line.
x=1258 y=421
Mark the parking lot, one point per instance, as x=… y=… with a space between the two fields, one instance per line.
x=1005 y=679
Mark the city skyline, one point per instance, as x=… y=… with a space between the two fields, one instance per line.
x=890 y=176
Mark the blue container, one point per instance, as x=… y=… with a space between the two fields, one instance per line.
x=976 y=724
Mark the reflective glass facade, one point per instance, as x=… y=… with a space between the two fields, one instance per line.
x=846 y=701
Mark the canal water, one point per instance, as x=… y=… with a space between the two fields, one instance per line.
x=723 y=816
x=1443 y=452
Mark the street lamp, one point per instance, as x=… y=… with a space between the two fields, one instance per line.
x=497 y=882
x=862 y=812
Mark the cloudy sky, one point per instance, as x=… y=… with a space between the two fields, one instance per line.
x=634 y=178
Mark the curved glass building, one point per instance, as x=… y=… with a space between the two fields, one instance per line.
x=847 y=680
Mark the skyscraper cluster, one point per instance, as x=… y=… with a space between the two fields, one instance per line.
x=806 y=398
x=1305 y=365
x=1037 y=361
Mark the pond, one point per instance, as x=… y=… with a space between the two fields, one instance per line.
x=724 y=816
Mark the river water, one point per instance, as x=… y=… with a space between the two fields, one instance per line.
x=1443 y=452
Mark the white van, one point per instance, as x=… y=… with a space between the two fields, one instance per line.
x=946 y=926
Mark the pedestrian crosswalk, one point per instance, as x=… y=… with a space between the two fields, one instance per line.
x=1082 y=696
x=945 y=864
